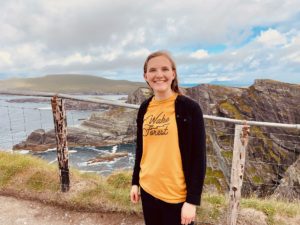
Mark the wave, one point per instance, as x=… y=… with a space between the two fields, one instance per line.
x=45 y=108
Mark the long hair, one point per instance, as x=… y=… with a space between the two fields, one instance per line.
x=174 y=85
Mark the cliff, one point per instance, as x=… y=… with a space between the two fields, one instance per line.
x=115 y=126
x=139 y=95
x=69 y=104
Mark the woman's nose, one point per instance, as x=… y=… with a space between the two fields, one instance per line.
x=159 y=73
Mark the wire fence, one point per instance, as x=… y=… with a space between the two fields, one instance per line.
x=101 y=132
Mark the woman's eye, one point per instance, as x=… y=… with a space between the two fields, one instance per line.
x=165 y=69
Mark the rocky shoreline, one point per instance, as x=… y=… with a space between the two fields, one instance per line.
x=69 y=104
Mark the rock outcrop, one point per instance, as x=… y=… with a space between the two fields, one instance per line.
x=111 y=127
x=271 y=150
x=69 y=104
x=138 y=96
x=107 y=157
x=289 y=187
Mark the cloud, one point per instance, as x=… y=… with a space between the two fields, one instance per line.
x=77 y=58
x=114 y=37
x=199 y=54
x=272 y=37
x=140 y=53
x=5 y=59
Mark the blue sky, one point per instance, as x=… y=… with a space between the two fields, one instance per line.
x=212 y=41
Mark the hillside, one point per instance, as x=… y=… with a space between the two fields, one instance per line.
x=271 y=151
x=71 y=83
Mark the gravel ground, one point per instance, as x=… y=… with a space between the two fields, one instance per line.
x=16 y=211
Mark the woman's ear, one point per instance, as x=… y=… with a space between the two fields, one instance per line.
x=174 y=74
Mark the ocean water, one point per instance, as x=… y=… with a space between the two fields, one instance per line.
x=18 y=120
x=79 y=157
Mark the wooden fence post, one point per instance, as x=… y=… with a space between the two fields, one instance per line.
x=60 y=125
x=237 y=171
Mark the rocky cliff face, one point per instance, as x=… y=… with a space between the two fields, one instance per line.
x=289 y=187
x=138 y=96
x=271 y=151
x=111 y=127
x=69 y=104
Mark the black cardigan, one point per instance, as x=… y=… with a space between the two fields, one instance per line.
x=192 y=144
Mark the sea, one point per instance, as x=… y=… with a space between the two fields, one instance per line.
x=18 y=120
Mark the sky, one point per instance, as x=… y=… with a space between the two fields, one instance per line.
x=211 y=41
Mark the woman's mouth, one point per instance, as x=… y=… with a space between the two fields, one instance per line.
x=159 y=81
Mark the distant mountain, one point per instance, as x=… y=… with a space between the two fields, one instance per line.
x=71 y=83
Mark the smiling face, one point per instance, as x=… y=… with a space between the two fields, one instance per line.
x=159 y=75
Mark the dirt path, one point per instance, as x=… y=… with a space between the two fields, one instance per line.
x=15 y=212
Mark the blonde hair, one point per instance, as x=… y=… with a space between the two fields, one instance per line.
x=174 y=85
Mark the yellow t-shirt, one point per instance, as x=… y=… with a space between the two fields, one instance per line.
x=161 y=173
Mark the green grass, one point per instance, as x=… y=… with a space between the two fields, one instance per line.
x=37 y=182
x=213 y=177
x=232 y=110
x=30 y=177
x=257 y=180
x=227 y=154
x=12 y=166
x=72 y=83
x=272 y=207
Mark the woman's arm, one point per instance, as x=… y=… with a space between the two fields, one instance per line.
x=198 y=157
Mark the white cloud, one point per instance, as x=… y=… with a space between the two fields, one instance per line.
x=5 y=59
x=272 y=37
x=295 y=57
x=199 y=54
x=114 y=37
x=111 y=55
x=140 y=53
x=77 y=58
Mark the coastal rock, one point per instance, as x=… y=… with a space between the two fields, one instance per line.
x=289 y=187
x=208 y=96
x=69 y=104
x=107 y=157
x=138 y=96
x=111 y=127
x=270 y=150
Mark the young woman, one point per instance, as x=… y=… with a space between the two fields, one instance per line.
x=170 y=159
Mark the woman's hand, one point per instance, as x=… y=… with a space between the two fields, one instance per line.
x=188 y=213
x=134 y=194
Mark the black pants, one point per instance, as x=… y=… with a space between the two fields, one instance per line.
x=157 y=212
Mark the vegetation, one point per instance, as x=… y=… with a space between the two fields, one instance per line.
x=72 y=83
x=32 y=178
x=232 y=110
x=227 y=154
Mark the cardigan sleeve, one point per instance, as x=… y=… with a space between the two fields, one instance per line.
x=138 y=149
x=198 y=157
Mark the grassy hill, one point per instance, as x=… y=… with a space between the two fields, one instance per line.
x=71 y=83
